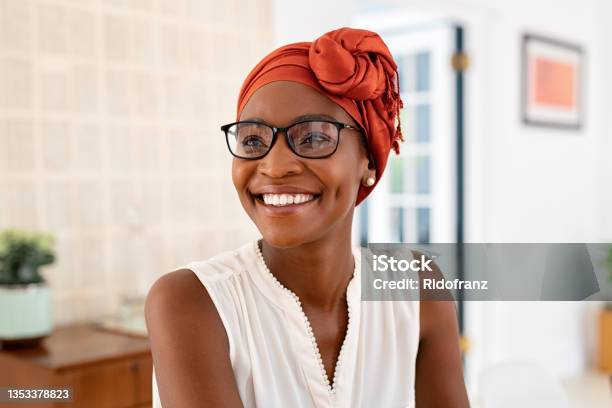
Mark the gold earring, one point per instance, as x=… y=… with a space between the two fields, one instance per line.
x=370 y=181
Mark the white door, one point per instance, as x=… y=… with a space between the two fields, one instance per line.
x=416 y=199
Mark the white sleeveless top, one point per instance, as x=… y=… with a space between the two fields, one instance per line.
x=274 y=354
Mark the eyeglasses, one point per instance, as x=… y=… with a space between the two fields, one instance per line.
x=311 y=139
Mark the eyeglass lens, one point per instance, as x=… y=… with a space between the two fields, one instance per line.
x=308 y=139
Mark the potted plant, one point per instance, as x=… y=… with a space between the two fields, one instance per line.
x=25 y=298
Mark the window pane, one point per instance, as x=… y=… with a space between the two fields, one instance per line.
x=410 y=222
x=397 y=174
x=423 y=179
x=397 y=224
x=406 y=69
x=423 y=225
x=422 y=67
x=423 y=123
x=407 y=121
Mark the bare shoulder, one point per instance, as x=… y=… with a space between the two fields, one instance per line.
x=179 y=293
x=189 y=343
x=437 y=307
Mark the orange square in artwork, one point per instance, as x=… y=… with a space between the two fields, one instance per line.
x=554 y=83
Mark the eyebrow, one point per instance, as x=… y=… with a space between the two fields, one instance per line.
x=312 y=116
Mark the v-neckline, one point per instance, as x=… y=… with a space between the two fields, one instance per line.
x=333 y=385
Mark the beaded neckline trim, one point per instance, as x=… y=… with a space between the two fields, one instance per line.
x=331 y=387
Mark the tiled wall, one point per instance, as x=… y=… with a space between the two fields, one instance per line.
x=109 y=135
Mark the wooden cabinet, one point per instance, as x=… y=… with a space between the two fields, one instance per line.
x=104 y=369
x=605 y=340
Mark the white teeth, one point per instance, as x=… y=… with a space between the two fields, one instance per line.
x=286 y=199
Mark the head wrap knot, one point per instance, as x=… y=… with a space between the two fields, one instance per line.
x=355 y=69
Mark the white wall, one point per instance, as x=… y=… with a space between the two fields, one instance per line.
x=533 y=184
x=295 y=21
x=523 y=184
x=110 y=140
x=605 y=18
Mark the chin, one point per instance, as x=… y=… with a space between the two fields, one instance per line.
x=281 y=238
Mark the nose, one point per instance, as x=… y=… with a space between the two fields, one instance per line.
x=280 y=160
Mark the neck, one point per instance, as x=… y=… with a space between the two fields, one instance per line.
x=317 y=272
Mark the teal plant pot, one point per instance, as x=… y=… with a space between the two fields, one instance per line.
x=25 y=313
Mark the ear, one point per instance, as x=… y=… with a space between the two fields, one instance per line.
x=367 y=156
x=371 y=164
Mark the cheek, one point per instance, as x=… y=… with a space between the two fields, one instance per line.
x=240 y=175
x=347 y=175
x=341 y=180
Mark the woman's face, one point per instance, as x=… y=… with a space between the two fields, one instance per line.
x=333 y=181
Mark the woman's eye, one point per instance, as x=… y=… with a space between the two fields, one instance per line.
x=253 y=141
x=315 y=138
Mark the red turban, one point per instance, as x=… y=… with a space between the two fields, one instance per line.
x=352 y=67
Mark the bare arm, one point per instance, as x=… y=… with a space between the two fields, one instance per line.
x=189 y=345
x=439 y=371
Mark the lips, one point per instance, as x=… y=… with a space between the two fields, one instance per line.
x=282 y=189
x=277 y=191
x=286 y=197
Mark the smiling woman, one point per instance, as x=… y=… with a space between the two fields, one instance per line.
x=279 y=321
x=331 y=176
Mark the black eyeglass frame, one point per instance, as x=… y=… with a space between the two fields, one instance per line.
x=275 y=130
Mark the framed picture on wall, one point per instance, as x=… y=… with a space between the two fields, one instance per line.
x=552 y=83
